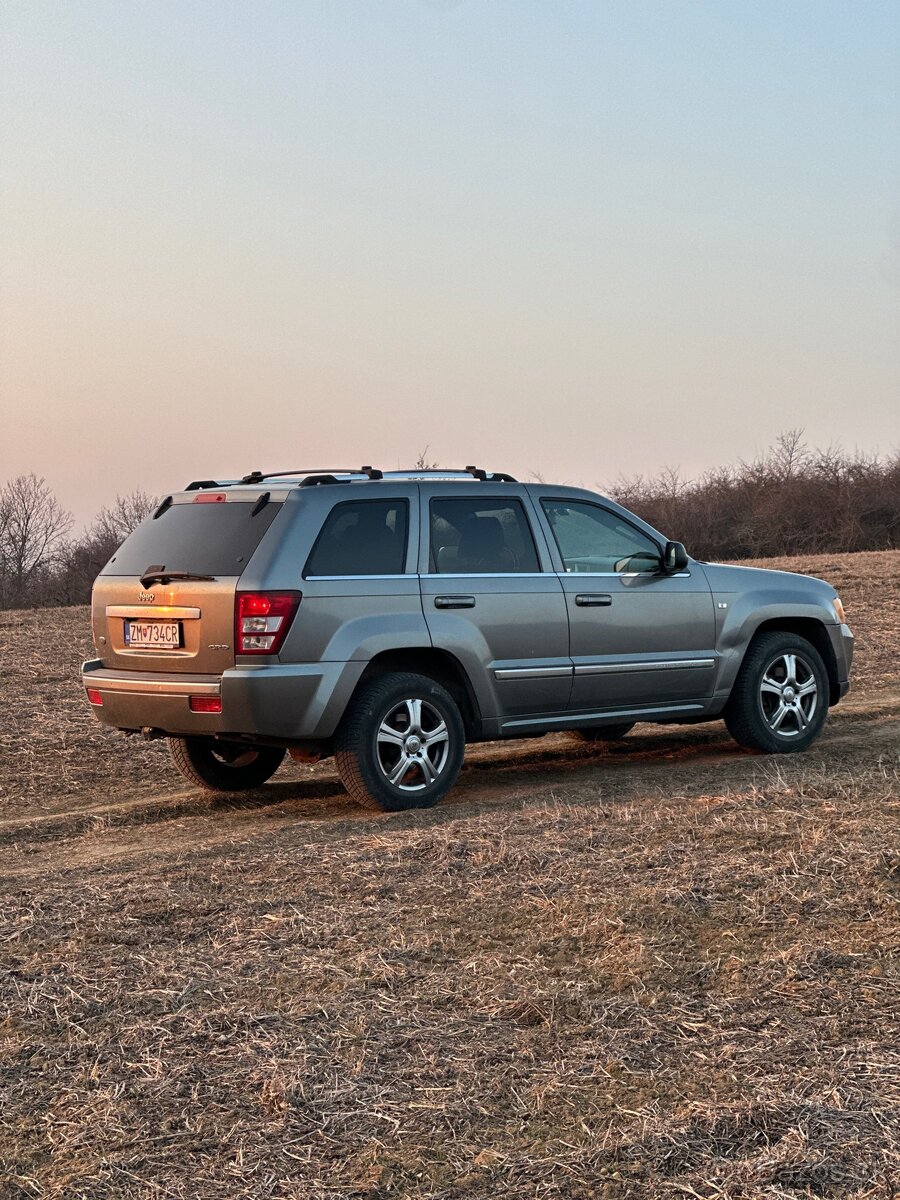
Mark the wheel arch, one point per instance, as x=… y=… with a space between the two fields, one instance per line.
x=816 y=634
x=439 y=665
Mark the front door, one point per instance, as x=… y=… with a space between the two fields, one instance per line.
x=492 y=599
x=639 y=638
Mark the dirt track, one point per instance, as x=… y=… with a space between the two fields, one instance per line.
x=652 y=761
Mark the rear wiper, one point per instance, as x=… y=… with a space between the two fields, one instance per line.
x=159 y=574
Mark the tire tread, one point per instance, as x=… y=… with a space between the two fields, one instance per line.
x=351 y=735
x=187 y=755
x=741 y=717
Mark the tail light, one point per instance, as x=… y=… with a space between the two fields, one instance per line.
x=262 y=619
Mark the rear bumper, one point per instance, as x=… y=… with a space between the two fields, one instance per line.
x=289 y=702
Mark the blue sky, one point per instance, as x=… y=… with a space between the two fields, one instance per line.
x=582 y=239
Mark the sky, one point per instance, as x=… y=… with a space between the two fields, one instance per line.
x=578 y=239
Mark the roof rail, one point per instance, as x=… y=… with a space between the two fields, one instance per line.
x=313 y=476
x=259 y=476
x=451 y=472
x=199 y=484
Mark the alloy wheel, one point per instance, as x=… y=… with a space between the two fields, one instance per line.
x=788 y=695
x=412 y=745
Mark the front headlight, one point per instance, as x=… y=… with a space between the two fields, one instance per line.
x=839 y=610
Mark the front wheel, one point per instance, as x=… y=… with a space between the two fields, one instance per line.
x=400 y=744
x=779 y=702
x=224 y=766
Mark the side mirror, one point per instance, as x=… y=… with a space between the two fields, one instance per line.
x=674 y=558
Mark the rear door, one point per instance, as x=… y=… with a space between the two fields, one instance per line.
x=638 y=637
x=357 y=548
x=492 y=599
x=180 y=625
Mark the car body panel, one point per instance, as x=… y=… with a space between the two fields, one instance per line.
x=746 y=598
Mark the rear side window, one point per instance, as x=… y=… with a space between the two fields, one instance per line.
x=206 y=539
x=481 y=536
x=365 y=537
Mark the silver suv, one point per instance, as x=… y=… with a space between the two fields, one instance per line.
x=389 y=618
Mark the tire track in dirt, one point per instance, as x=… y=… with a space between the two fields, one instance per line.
x=695 y=760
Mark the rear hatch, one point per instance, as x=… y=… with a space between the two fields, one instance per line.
x=146 y=616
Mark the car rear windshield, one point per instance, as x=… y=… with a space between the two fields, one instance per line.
x=205 y=539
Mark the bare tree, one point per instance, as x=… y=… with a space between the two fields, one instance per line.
x=33 y=528
x=84 y=557
x=422 y=463
x=114 y=522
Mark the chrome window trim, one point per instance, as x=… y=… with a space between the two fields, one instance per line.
x=621 y=575
x=488 y=575
x=337 y=578
x=661 y=664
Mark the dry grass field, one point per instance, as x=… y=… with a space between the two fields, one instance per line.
x=663 y=969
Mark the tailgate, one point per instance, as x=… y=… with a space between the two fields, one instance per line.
x=147 y=616
x=180 y=626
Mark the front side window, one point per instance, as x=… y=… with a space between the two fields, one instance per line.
x=481 y=537
x=366 y=537
x=593 y=539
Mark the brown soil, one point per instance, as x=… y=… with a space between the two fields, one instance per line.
x=664 y=968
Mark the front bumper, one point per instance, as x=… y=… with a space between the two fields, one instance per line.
x=289 y=702
x=842 y=645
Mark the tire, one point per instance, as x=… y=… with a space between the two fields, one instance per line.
x=779 y=702
x=386 y=724
x=224 y=766
x=605 y=733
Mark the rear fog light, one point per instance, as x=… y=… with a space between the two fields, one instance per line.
x=206 y=704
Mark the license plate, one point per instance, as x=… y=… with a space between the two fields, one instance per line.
x=153 y=635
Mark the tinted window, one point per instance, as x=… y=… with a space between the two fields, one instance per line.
x=207 y=539
x=593 y=539
x=366 y=537
x=481 y=536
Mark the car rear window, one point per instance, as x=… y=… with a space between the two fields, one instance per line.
x=206 y=539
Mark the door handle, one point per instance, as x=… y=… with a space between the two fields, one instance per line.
x=593 y=600
x=454 y=602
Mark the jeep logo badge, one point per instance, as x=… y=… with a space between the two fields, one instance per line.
x=146 y=597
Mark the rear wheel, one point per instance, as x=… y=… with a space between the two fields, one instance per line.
x=224 y=766
x=605 y=733
x=779 y=702
x=400 y=744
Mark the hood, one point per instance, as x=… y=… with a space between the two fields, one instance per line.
x=727 y=578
